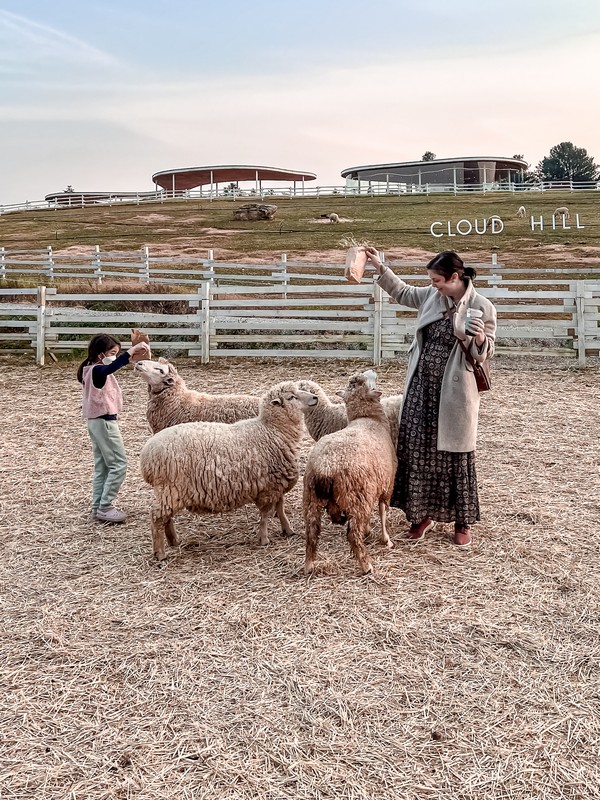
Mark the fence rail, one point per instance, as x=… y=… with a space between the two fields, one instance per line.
x=362 y=189
x=142 y=266
x=318 y=320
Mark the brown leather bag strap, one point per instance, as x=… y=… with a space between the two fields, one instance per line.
x=468 y=356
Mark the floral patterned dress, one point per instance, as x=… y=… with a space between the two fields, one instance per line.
x=430 y=482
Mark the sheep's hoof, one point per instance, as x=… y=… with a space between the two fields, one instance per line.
x=160 y=555
x=309 y=567
x=263 y=542
x=389 y=544
x=287 y=532
x=368 y=572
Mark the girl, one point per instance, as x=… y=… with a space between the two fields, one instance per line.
x=436 y=478
x=102 y=400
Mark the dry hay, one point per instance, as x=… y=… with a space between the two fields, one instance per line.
x=227 y=674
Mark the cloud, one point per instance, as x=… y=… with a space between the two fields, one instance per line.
x=27 y=46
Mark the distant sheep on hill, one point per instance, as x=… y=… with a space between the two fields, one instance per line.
x=563 y=212
x=521 y=212
x=332 y=217
x=170 y=402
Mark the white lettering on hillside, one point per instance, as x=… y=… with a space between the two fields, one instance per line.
x=493 y=225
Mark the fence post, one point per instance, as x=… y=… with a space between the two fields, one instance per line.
x=97 y=264
x=284 y=274
x=377 y=322
x=580 y=321
x=494 y=259
x=2 y=263
x=50 y=268
x=145 y=272
x=40 y=333
x=204 y=313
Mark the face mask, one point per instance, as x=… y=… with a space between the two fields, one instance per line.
x=108 y=360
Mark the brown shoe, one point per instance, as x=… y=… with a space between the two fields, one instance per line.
x=462 y=536
x=419 y=529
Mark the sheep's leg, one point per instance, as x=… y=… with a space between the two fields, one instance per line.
x=356 y=528
x=159 y=520
x=312 y=522
x=171 y=533
x=263 y=527
x=286 y=528
x=384 y=538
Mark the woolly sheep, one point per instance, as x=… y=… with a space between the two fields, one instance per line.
x=521 y=212
x=333 y=217
x=328 y=416
x=170 y=402
x=563 y=212
x=347 y=472
x=212 y=467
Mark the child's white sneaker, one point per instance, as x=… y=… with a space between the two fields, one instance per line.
x=111 y=514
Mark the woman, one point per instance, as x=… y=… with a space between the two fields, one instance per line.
x=436 y=478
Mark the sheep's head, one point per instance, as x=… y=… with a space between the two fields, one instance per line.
x=289 y=398
x=313 y=388
x=361 y=386
x=158 y=374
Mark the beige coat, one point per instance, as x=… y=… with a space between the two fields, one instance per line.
x=459 y=400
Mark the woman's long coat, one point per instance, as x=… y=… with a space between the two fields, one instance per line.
x=459 y=399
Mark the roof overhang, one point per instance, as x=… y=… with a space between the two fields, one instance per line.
x=190 y=177
x=507 y=163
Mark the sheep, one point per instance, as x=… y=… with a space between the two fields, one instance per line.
x=521 y=212
x=563 y=212
x=170 y=402
x=329 y=416
x=332 y=217
x=350 y=470
x=213 y=467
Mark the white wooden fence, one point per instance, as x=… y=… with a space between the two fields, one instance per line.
x=363 y=188
x=286 y=320
x=143 y=266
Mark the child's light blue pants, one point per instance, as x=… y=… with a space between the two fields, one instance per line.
x=110 y=461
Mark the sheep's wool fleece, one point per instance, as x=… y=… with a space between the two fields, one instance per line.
x=215 y=467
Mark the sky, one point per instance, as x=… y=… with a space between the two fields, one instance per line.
x=101 y=95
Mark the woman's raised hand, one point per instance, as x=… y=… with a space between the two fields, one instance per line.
x=373 y=257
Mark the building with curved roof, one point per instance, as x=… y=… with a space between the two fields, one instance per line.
x=178 y=180
x=441 y=173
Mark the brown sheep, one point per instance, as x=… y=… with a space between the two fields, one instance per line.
x=349 y=471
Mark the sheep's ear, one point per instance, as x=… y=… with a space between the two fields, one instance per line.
x=276 y=401
x=375 y=394
x=371 y=377
x=341 y=393
x=162 y=360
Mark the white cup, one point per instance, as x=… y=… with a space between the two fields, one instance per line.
x=472 y=313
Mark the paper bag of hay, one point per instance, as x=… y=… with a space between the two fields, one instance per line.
x=356 y=259
x=138 y=336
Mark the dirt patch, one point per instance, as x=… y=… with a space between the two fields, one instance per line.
x=226 y=674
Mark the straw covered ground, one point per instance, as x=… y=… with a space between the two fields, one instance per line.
x=227 y=674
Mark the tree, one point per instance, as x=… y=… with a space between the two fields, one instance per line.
x=567 y=162
x=428 y=156
x=519 y=157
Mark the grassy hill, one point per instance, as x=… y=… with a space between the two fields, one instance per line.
x=398 y=225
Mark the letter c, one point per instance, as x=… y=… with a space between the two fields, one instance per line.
x=431 y=229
